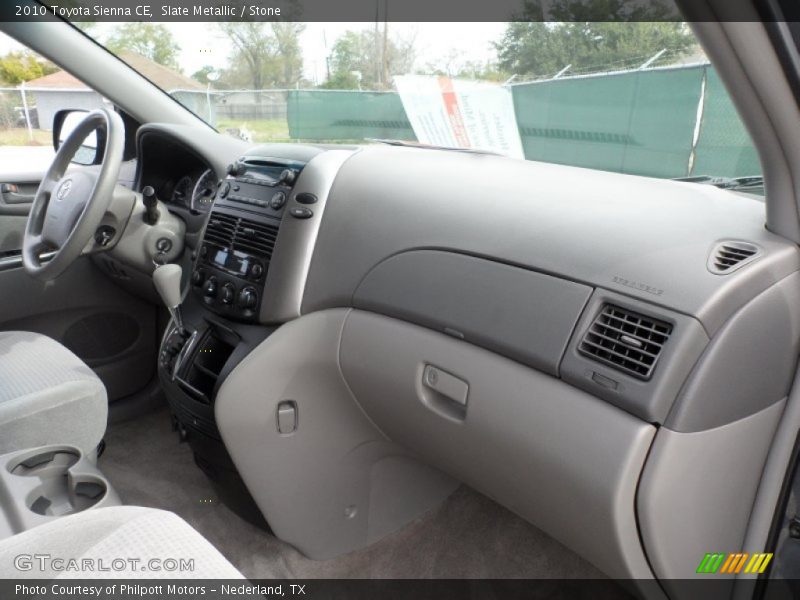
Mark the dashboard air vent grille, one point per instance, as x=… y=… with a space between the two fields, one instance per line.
x=243 y=235
x=221 y=229
x=626 y=340
x=730 y=255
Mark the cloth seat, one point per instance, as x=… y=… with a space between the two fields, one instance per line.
x=48 y=395
x=144 y=539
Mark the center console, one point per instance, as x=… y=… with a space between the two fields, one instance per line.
x=41 y=484
x=221 y=311
x=240 y=236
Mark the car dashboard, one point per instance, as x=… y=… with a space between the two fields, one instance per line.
x=563 y=340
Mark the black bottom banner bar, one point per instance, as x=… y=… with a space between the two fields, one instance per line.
x=384 y=589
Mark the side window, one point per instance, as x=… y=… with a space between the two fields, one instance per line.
x=32 y=91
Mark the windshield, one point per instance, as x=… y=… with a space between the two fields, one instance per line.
x=628 y=97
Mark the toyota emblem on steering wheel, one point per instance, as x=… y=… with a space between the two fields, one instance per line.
x=63 y=191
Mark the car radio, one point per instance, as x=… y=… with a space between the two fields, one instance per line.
x=240 y=235
x=261 y=183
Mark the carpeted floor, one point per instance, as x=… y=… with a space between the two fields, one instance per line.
x=468 y=536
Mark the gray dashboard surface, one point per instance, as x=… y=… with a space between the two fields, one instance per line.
x=522 y=314
x=215 y=149
x=643 y=237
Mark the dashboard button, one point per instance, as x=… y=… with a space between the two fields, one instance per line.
x=306 y=198
x=248 y=298
x=301 y=212
x=228 y=293
x=210 y=288
x=287 y=177
x=256 y=271
x=277 y=201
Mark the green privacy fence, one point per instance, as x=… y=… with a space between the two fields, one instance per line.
x=724 y=146
x=346 y=115
x=640 y=122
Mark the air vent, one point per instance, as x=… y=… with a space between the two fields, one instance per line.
x=731 y=255
x=244 y=235
x=256 y=238
x=626 y=340
x=221 y=229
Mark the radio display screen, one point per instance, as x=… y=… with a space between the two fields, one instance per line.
x=235 y=261
x=263 y=174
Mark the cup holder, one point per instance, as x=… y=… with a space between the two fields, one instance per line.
x=59 y=492
x=41 y=464
x=62 y=495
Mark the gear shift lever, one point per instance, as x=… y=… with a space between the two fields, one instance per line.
x=167 y=279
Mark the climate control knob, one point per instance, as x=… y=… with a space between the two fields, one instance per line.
x=248 y=298
x=210 y=287
x=228 y=293
x=197 y=278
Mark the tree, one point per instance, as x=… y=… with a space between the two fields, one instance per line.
x=598 y=35
x=342 y=80
x=362 y=53
x=16 y=67
x=266 y=54
x=152 y=41
x=289 y=54
x=202 y=74
x=453 y=65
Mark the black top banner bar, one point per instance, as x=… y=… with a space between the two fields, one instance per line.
x=364 y=10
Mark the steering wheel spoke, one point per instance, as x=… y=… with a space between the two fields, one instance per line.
x=48 y=185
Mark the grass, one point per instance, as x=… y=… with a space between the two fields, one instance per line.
x=18 y=136
x=267 y=130
x=271 y=130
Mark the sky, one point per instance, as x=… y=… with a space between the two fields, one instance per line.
x=435 y=43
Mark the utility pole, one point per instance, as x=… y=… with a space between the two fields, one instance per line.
x=327 y=56
x=26 y=111
x=376 y=43
x=385 y=76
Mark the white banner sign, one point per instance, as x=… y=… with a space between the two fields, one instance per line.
x=461 y=113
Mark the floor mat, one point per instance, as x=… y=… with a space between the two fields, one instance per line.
x=468 y=536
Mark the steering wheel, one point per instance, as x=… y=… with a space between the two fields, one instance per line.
x=68 y=208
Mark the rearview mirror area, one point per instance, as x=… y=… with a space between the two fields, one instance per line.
x=91 y=149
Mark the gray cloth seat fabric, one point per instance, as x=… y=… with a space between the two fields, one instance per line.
x=47 y=395
x=142 y=540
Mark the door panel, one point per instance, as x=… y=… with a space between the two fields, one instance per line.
x=111 y=330
x=11 y=230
